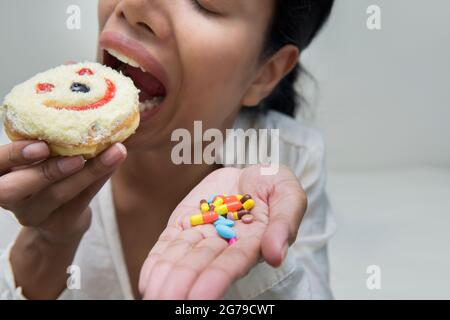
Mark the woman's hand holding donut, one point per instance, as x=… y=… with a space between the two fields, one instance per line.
x=50 y=198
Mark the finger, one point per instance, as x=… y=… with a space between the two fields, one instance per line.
x=21 y=184
x=287 y=205
x=232 y=264
x=22 y=153
x=168 y=235
x=186 y=270
x=64 y=191
x=176 y=250
x=72 y=219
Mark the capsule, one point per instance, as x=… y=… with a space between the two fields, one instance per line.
x=204 y=206
x=224 y=221
x=230 y=199
x=211 y=199
x=237 y=215
x=249 y=204
x=218 y=201
x=203 y=218
x=232 y=241
x=245 y=198
x=225 y=231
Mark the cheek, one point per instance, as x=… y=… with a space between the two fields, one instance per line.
x=105 y=10
x=217 y=62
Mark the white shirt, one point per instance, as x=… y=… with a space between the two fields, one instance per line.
x=303 y=275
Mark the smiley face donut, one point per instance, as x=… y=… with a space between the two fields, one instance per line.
x=78 y=109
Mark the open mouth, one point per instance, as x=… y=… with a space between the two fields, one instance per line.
x=152 y=90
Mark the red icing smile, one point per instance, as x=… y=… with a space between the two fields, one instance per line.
x=107 y=97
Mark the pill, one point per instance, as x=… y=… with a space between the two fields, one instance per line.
x=204 y=218
x=247 y=218
x=232 y=241
x=224 y=221
x=230 y=199
x=204 y=206
x=249 y=204
x=239 y=196
x=218 y=201
x=211 y=199
x=222 y=209
x=225 y=231
x=234 y=206
x=245 y=198
x=237 y=215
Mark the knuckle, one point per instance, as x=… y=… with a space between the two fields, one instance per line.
x=95 y=169
x=47 y=172
x=14 y=154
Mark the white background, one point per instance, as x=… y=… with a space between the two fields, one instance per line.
x=383 y=103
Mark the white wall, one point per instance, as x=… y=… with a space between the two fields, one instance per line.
x=384 y=95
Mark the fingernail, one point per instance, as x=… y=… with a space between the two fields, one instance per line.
x=70 y=165
x=113 y=155
x=34 y=151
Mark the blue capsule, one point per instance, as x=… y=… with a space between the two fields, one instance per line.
x=211 y=199
x=224 y=221
x=225 y=231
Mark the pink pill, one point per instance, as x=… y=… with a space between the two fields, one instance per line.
x=248 y=218
x=231 y=241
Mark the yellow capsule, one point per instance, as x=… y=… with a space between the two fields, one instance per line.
x=222 y=209
x=218 y=202
x=204 y=207
x=249 y=204
x=196 y=220
x=239 y=196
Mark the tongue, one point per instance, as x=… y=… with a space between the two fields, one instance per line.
x=150 y=86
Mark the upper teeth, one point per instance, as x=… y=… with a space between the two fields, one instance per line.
x=124 y=59
x=150 y=104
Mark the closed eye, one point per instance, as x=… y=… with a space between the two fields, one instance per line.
x=199 y=7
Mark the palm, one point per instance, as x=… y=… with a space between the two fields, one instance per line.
x=195 y=262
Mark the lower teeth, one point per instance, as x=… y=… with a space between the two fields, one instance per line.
x=150 y=104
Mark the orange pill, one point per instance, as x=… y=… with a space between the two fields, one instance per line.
x=210 y=217
x=230 y=199
x=234 y=206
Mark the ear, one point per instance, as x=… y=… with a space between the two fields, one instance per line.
x=270 y=74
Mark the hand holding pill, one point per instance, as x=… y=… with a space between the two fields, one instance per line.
x=219 y=232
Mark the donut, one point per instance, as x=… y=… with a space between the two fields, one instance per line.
x=77 y=109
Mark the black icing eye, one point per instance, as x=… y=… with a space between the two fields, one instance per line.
x=79 y=87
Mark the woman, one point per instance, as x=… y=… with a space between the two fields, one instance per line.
x=206 y=60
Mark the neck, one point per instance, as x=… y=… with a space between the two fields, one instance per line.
x=151 y=177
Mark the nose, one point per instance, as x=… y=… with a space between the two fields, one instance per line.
x=145 y=16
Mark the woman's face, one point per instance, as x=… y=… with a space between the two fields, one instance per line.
x=204 y=61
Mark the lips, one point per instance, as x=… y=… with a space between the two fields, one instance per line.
x=133 y=60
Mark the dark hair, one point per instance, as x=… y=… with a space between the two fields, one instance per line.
x=294 y=22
